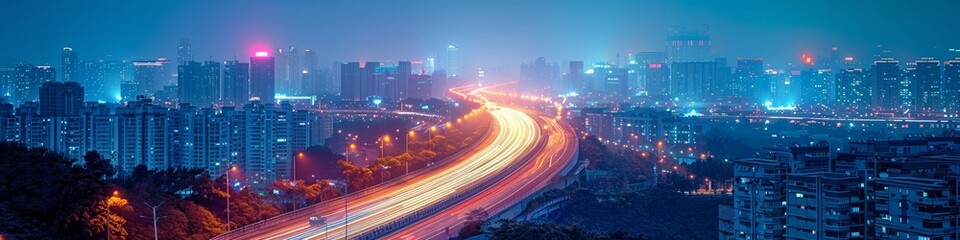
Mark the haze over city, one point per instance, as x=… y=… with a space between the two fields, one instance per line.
x=610 y=120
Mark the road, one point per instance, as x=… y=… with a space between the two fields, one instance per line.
x=516 y=134
x=516 y=144
x=532 y=176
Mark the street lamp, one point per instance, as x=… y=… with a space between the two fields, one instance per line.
x=385 y=139
x=233 y=168
x=346 y=213
x=349 y=149
x=294 y=175
x=109 y=218
x=406 y=149
x=433 y=130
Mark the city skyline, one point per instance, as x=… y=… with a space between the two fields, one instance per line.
x=503 y=120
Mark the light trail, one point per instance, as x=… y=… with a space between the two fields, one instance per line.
x=516 y=135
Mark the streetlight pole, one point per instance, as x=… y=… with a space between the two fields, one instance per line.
x=299 y=157
x=346 y=213
x=109 y=218
x=154 y=207
x=382 y=142
x=232 y=168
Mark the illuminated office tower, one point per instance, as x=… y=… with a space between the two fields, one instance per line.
x=262 y=81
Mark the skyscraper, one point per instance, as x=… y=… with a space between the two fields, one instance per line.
x=262 y=81
x=289 y=71
x=929 y=92
x=199 y=84
x=642 y=60
x=575 y=76
x=28 y=78
x=688 y=46
x=68 y=65
x=183 y=51
x=747 y=79
x=61 y=99
x=311 y=77
x=453 y=61
x=420 y=86
x=439 y=83
x=853 y=88
x=236 y=83
x=148 y=78
x=951 y=83
x=351 y=85
x=886 y=72
x=385 y=82
x=692 y=80
x=819 y=86
x=402 y=82
x=657 y=77
x=370 y=84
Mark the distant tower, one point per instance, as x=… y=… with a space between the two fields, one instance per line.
x=183 y=51
x=575 y=76
x=350 y=81
x=262 y=81
x=430 y=65
x=453 y=61
x=288 y=70
x=929 y=91
x=199 y=84
x=404 y=70
x=951 y=83
x=686 y=46
x=888 y=91
x=236 y=83
x=68 y=65
x=27 y=80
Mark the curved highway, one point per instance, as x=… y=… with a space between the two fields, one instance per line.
x=516 y=140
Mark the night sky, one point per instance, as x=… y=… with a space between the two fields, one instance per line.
x=495 y=33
